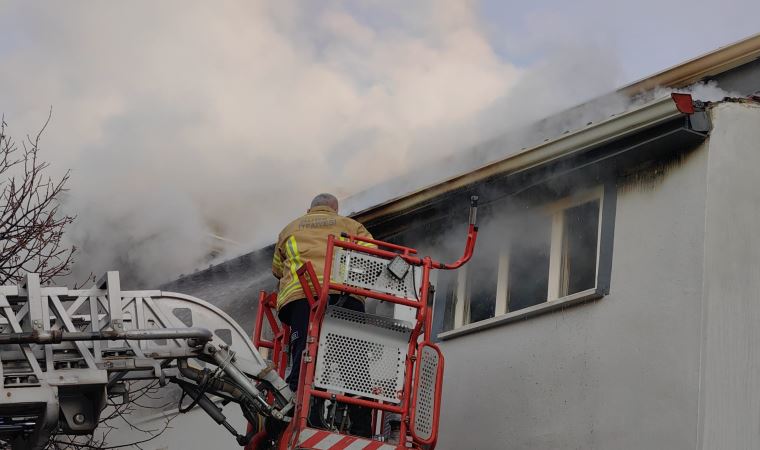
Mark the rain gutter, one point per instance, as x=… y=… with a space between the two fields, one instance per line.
x=619 y=126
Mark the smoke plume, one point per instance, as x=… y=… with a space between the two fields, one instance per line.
x=182 y=121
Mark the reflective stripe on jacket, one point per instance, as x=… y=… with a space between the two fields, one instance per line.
x=305 y=239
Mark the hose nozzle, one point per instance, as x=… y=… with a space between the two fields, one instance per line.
x=473 y=209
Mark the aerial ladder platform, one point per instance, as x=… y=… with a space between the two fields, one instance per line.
x=387 y=365
x=65 y=352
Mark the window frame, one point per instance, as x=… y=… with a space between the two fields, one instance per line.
x=557 y=210
x=606 y=195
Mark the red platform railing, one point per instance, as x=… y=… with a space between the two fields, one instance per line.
x=267 y=309
x=317 y=294
x=420 y=336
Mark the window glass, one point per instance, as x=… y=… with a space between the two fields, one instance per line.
x=581 y=228
x=449 y=285
x=529 y=263
x=482 y=280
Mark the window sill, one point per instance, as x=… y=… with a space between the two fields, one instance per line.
x=525 y=313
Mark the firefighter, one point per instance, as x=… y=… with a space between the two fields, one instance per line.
x=305 y=239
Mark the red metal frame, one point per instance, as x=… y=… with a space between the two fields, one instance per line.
x=317 y=294
x=267 y=308
x=281 y=332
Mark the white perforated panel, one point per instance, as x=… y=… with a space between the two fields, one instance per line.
x=371 y=272
x=425 y=395
x=362 y=354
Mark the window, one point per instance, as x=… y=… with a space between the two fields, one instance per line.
x=544 y=255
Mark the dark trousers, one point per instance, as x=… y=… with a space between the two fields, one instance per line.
x=296 y=315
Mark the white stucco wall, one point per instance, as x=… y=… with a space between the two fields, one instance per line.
x=730 y=400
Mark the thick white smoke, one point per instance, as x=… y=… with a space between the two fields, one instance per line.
x=703 y=91
x=184 y=119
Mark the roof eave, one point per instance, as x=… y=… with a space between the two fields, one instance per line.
x=632 y=121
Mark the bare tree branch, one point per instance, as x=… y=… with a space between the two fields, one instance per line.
x=31 y=241
x=31 y=225
x=119 y=414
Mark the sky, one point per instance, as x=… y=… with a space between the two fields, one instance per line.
x=180 y=120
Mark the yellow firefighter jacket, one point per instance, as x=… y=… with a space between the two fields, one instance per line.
x=305 y=239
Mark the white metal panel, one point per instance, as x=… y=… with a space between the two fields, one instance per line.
x=362 y=354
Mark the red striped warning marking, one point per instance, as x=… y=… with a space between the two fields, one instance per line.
x=325 y=440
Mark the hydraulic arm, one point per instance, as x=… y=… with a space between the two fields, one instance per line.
x=63 y=352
